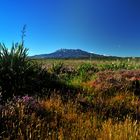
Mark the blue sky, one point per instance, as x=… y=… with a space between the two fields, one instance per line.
x=110 y=27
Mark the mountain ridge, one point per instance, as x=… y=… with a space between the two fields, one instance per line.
x=69 y=53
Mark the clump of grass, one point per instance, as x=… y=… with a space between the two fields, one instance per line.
x=57 y=67
x=127 y=130
x=19 y=75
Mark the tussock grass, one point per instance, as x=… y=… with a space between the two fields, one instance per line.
x=27 y=118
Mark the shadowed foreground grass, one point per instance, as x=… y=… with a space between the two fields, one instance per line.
x=50 y=119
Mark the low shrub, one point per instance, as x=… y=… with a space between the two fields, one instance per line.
x=57 y=67
x=19 y=75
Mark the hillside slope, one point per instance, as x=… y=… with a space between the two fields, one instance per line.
x=68 y=53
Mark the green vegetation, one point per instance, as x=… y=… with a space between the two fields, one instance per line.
x=18 y=74
x=68 y=99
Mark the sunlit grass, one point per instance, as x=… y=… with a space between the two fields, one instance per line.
x=53 y=119
x=127 y=130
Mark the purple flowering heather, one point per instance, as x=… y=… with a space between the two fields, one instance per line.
x=30 y=103
x=27 y=99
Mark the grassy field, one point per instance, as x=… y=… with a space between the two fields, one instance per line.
x=93 y=100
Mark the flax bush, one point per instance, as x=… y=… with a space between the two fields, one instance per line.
x=19 y=75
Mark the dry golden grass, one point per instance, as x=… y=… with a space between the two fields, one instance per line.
x=63 y=121
x=127 y=130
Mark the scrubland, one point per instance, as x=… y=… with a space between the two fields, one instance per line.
x=68 y=99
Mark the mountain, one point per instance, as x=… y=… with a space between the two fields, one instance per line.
x=68 y=53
